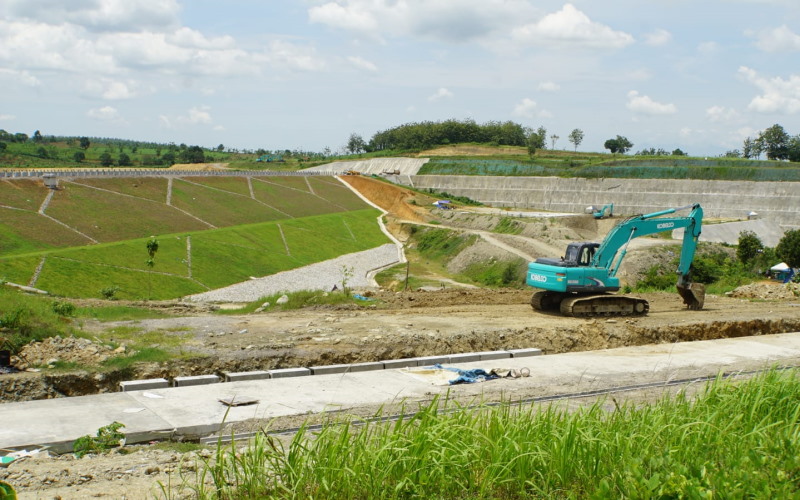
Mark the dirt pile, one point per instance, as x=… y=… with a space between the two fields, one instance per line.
x=55 y=350
x=767 y=291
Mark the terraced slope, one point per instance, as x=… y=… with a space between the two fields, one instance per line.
x=87 y=239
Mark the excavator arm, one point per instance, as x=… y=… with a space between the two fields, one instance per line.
x=613 y=249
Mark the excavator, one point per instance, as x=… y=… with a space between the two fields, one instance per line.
x=579 y=283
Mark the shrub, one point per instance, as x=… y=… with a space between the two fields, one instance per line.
x=63 y=308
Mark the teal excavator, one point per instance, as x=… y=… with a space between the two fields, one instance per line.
x=578 y=284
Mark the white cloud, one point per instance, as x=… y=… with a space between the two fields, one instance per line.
x=527 y=108
x=658 y=38
x=440 y=94
x=198 y=115
x=360 y=63
x=722 y=114
x=107 y=88
x=23 y=77
x=571 y=27
x=645 y=105
x=450 y=20
x=97 y=15
x=780 y=39
x=294 y=57
x=105 y=114
x=548 y=87
x=6 y=118
x=777 y=95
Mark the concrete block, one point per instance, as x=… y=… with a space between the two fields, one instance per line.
x=432 y=360
x=195 y=380
x=329 y=369
x=467 y=357
x=346 y=368
x=254 y=375
x=143 y=385
x=490 y=355
x=523 y=353
x=389 y=364
x=289 y=372
x=366 y=367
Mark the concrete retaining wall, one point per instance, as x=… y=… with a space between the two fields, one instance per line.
x=778 y=201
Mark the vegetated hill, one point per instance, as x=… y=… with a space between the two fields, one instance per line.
x=269 y=225
x=510 y=161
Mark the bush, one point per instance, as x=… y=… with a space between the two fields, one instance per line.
x=63 y=308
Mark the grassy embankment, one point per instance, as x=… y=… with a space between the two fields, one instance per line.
x=735 y=439
x=286 y=223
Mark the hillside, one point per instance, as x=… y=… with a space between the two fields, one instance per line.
x=87 y=238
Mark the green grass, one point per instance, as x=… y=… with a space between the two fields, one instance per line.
x=732 y=440
x=606 y=166
x=507 y=225
x=26 y=318
x=118 y=313
x=220 y=257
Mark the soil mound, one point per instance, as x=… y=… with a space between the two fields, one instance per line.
x=767 y=291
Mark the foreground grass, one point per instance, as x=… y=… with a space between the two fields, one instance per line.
x=733 y=440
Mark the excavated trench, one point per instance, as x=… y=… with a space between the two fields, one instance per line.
x=591 y=335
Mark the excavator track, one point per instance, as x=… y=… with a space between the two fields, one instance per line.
x=546 y=301
x=603 y=305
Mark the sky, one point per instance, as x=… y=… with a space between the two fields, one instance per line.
x=699 y=75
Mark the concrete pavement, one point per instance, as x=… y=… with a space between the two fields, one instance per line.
x=196 y=410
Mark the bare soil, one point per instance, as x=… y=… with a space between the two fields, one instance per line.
x=391 y=325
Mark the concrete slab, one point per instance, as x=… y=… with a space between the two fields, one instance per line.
x=492 y=355
x=143 y=385
x=289 y=372
x=197 y=410
x=524 y=353
x=389 y=364
x=432 y=360
x=254 y=375
x=195 y=380
x=467 y=357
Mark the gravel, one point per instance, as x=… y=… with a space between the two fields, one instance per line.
x=320 y=276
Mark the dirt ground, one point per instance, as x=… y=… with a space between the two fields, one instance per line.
x=390 y=325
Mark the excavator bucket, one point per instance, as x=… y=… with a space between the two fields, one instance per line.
x=693 y=295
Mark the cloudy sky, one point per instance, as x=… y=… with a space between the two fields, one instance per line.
x=305 y=74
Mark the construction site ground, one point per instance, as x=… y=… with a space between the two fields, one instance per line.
x=391 y=325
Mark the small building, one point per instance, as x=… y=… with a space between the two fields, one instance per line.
x=50 y=181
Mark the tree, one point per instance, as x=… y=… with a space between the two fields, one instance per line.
x=776 y=142
x=576 y=138
x=124 y=160
x=794 y=149
x=536 y=140
x=355 y=144
x=221 y=148
x=85 y=143
x=749 y=247
x=106 y=160
x=3 y=146
x=192 y=154
x=620 y=145
x=79 y=156
x=678 y=152
x=788 y=249
x=41 y=152
x=168 y=158
x=37 y=137
x=553 y=139
x=152 y=248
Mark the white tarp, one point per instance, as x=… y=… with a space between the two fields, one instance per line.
x=779 y=267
